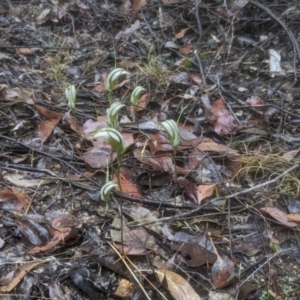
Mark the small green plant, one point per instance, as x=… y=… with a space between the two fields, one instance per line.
x=113 y=114
x=274 y=247
x=182 y=225
x=116 y=142
x=135 y=96
x=267 y=294
x=172 y=131
x=186 y=225
x=264 y=295
x=71 y=95
x=115 y=139
x=106 y=190
x=112 y=80
x=171 y=128
x=287 y=289
x=187 y=63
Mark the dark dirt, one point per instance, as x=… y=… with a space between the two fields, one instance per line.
x=216 y=217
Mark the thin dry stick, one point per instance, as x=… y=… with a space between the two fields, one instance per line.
x=133 y=275
x=30 y=202
x=251 y=275
x=189 y=213
x=287 y=30
x=145 y=278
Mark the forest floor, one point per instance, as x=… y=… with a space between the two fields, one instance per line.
x=205 y=207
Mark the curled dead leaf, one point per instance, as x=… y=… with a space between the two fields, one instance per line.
x=205 y=191
x=279 y=216
x=19 y=274
x=179 y=288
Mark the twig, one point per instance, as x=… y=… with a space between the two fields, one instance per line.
x=131 y=272
x=189 y=213
x=251 y=275
x=197 y=54
x=145 y=278
x=51 y=156
x=279 y=21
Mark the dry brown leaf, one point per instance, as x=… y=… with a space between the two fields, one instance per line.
x=209 y=145
x=7 y=279
x=190 y=188
x=222 y=272
x=70 y=122
x=97 y=158
x=247 y=289
x=164 y=163
x=278 y=215
x=194 y=254
x=205 y=191
x=179 y=288
x=124 y=289
x=137 y=6
x=234 y=166
x=27 y=50
x=142 y=102
x=197 y=79
x=44 y=16
x=294 y=217
x=127 y=64
x=255 y=101
x=181 y=33
x=119 y=85
x=135 y=241
x=128 y=139
x=8 y=194
x=46 y=127
x=52 y=119
x=33 y=230
x=21 y=180
x=63 y=228
x=128 y=187
x=291 y=154
x=219 y=116
x=158 y=143
x=90 y=127
x=225 y=125
x=19 y=275
x=99 y=88
x=9 y=94
x=186 y=49
x=124 y=34
x=46 y=113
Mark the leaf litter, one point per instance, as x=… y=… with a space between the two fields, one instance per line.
x=231 y=89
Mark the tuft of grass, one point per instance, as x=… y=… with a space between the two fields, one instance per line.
x=259 y=168
x=57 y=66
x=155 y=70
x=204 y=54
